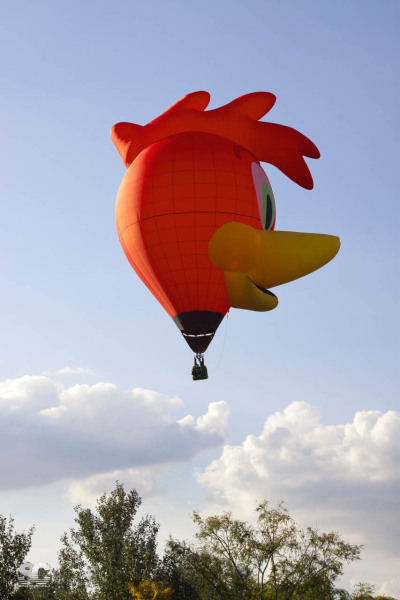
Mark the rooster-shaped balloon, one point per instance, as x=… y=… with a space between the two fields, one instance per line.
x=195 y=211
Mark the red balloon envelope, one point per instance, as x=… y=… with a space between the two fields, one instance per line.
x=191 y=172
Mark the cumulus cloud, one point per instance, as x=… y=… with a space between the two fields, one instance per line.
x=145 y=480
x=296 y=455
x=50 y=432
x=342 y=477
x=67 y=370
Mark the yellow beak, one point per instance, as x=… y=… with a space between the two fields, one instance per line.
x=254 y=260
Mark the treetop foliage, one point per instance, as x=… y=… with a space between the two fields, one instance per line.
x=275 y=558
x=13 y=549
x=109 y=556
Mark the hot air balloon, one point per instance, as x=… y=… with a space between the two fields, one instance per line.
x=195 y=211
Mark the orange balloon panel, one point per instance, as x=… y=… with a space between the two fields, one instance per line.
x=173 y=197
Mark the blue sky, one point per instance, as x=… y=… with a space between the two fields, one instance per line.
x=323 y=367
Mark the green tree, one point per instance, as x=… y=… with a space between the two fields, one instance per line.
x=105 y=553
x=275 y=559
x=13 y=549
x=178 y=575
x=365 y=591
x=35 y=592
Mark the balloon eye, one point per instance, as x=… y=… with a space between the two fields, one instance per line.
x=268 y=213
x=265 y=196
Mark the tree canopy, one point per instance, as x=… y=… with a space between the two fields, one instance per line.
x=275 y=558
x=105 y=552
x=13 y=549
x=107 y=556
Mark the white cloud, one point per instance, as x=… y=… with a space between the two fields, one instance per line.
x=388 y=588
x=343 y=477
x=215 y=420
x=67 y=370
x=144 y=480
x=294 y=453
x=50 y=432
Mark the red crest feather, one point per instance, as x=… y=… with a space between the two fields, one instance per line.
x=238 y=121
